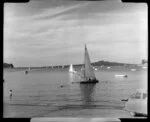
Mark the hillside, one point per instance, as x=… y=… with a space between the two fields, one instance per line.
x=107 y=63
x=98 y=63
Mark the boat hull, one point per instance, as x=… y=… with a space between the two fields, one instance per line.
x=26 y=72
x=140 y=115
x=89 y=82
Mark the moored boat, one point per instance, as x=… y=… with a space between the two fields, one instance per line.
x=121 y=75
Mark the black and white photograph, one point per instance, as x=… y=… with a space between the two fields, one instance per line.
x=72 y=58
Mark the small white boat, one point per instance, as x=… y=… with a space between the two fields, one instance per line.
x=108 y=67
x=121 y=76
x=144 y=67
x=137 y=103
x=133 y=70
x=95 y=68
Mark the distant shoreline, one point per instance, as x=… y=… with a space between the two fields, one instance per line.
x=76 y=67
x=95 y=64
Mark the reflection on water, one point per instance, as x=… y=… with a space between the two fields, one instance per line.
x=71 y=77
x=10 y=97
x=87 y=93
x=74 y=77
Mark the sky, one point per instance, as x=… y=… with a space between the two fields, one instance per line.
x=54 y=32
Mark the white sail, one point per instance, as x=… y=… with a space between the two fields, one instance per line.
x=71 y=69
x=87 y=70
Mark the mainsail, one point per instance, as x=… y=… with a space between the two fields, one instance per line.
x=87 y=70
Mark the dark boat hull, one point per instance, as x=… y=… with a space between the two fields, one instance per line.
x=89 y=82
x=26 y=72
x=140 y=115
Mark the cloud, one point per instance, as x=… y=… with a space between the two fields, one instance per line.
x=62 y=31
x=29 y=24
x=56 y=11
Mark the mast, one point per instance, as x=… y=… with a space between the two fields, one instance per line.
x=85 y=60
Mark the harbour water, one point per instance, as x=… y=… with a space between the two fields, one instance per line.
x=50 y=93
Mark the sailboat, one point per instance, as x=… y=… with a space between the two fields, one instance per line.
x=87 y=71
x=71 y=69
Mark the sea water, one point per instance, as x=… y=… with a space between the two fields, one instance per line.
x=50 y=93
